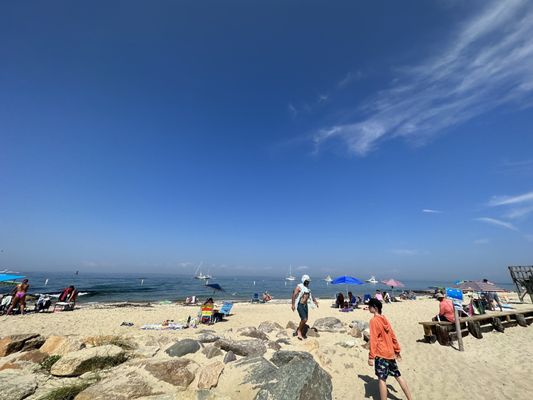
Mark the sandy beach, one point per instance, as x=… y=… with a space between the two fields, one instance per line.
x=495 y=367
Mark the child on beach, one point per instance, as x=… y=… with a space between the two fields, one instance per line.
x=384 y=350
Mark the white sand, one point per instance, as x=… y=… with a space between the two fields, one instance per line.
x=497 y=367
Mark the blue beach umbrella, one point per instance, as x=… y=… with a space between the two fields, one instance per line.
x=215 y=287
x=9 y=279
x=346 y=280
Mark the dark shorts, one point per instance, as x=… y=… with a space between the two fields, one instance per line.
x=303 y=311
x=385 y=368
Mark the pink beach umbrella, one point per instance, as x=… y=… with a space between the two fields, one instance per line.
x=393 y=283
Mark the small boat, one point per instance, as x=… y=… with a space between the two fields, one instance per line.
x=290 y=277
x=372 y=280
x=328 y=279
x=198 y=274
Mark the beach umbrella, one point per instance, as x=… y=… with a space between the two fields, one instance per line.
x=479 y=286
x=9 y=279
x=393 y=283
x=216 y=287
x=346 y=280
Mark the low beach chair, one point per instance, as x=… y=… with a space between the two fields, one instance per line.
x=191 y=301
x=226 y=308
x=207 y=313
x=255 y=298
x=64 y=306
x=366 y=299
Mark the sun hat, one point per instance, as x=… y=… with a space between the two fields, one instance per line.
x=440 y=296
x=306 y=278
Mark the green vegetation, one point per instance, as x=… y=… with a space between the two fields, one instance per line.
x=98 y=363
x=114 y=340
x=47 y=363
x=68 y=392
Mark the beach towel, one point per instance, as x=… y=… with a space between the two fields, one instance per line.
x=161 y=327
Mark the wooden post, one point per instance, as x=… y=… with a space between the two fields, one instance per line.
x=458 y=329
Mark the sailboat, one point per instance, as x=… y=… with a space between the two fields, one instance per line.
x=290 y=277
x=328 y=279
x=198 y=274
x=372 y=280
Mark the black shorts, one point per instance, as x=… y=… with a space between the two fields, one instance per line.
x=384 y=368
x=303 y=311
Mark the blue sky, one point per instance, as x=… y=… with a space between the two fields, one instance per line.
x=386 y=138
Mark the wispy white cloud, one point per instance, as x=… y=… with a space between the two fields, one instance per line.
x=481 y=241
x=497 y=222
x=517 y=207
x=507 y=200
x=489 y=63
x=349 y=78
x=430 y=211
x=409 y=252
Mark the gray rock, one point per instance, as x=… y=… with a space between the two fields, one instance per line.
x=284 y=357
x=183 y=347
x=361 y=325
x=312 y=332
x=366 y=335
x=212 y=351
x=229 y=357
x=283 y=341
x=269 y=326
x=89 y=359
x=250 y=347
x=355 y=332
x=291 y=325
x=347 y=344
x=14 y=343
x=282 y=334
x=251 y=331
x=329 y=324
x=16 y=385
x=207 y=337
x=273 y=345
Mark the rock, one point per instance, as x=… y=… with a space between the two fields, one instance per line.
x=250 y=347
x=61 y=345
x=12 y=344
x=183 y=347
x=355 y=332
x=174 y=372
x=229 y=357
x=90 y=359
x=312 y=332
x=311 y=345
x=291 y=375
x=34 y=356
x=347 y=344
x=282 y=334
x=207 y=337
x=16 y=385
x=366 y=335
x=209 y=376
x=269 y=326
x=9 y=365
x=273 y=345
x=329 y=324
x=122 y=386
x=366 y=346
x=103 y=340
x=212 y=351
x=291 y=325
x=146 y=351
x=361 y=325
x=251 y=331
x=283 y=341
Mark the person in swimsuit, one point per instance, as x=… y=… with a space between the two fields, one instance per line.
x=300 y=297
x=20 y=297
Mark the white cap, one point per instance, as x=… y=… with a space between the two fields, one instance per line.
x=305 y=278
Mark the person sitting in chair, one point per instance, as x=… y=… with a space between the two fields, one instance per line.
x=445 y=309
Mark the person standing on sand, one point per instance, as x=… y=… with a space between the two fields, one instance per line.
x=19 y=297
x=384 y=350
x=300 y=297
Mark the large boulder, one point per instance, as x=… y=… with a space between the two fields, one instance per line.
x=229 y=357
x=329 y=324
x=361 y=325
x=177 y=372
x=16 y=385
x=90 y=359
x=269 y=326
x=250 y=347
x=291 y=325
x=34 y=356
x=183 y=347
x=122 y=386
x=211 y=351
x=209 y=376
x=12 y=344
x=61 y=345
x=251 y=331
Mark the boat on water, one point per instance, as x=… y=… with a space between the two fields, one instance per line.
x=199 y=275
x=290 y=277
x=328 y=279
x=372 y=280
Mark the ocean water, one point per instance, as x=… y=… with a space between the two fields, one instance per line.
x=160 y=287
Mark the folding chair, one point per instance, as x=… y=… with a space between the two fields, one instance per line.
x=207 y=313
x=226 y=308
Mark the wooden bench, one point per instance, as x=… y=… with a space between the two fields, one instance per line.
x=445 y=332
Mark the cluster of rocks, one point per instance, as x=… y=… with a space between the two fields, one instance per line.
x=103 y=367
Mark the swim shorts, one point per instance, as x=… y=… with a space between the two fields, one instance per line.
x=303 y=311
x=384 y=368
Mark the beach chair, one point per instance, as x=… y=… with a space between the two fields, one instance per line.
x=191 y=301
x=64 y=306
x=207 y=314
x=255 y=298
x=226 y=308
x=366 y=299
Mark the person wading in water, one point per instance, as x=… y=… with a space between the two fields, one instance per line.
x=300 y=297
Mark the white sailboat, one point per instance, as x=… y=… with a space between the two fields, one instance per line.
x=328 y=279
x=290 y=277
x=372 y=280
x=198 y=274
